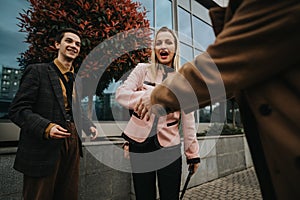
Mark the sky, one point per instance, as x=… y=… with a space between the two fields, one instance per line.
x=11 y=41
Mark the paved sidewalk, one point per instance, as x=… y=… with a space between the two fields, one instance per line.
x=240 y=185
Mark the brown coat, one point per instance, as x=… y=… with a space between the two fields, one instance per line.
x=256 y=52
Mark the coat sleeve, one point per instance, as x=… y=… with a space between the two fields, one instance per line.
x=191 y=145
x=131 y=91
x=21 y=110
x=252 y=48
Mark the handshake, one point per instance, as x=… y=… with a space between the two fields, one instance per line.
x=147 y=105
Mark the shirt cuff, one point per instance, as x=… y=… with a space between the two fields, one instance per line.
x=193 y=161
x=47 y=130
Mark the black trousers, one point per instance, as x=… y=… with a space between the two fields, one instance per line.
x=168 y=176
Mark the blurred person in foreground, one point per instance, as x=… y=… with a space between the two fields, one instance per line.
x=256 y=54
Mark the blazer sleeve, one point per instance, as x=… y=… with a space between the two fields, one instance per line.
x=132 y=90
x=191 y=145
x=21 y=110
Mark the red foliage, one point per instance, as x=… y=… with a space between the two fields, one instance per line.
x=97 y=21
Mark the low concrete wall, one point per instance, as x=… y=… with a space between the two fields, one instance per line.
x=220 y=156
x=97 y=181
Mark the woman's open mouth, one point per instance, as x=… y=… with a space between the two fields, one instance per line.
x=164 y=54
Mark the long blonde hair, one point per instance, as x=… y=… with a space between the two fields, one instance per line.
x=154 y=61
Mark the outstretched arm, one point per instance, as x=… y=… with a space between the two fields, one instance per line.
x=251 y=48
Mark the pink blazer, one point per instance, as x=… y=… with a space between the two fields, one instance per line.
x=130 y=92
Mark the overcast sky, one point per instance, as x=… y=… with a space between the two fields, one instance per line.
x=11 y=41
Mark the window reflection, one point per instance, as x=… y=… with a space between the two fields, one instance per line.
x=185 y=3
x=163 y=13
x=205 y=114
x=197 y=52
x=186 y=53
x=184 y=19
x=203 y=34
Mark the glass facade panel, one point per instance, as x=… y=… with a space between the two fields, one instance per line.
x=205 y=114
x=200 y=11
x=184 y=26
x=197 y=52
x=186 y=53
x=163 y=14
x=203 y=34
x=185 y=4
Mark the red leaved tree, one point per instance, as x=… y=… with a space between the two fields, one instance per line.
x=97 y=21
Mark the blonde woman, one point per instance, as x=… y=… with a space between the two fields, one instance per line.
x=154 y=143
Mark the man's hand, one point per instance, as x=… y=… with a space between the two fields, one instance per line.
x=58 y=132
x=142 y=108
x=94 y=132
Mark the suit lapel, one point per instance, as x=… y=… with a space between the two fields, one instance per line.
x=57 y=89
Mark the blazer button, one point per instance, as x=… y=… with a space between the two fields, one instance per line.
x=265 y=109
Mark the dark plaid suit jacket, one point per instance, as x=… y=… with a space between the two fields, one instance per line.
x=38 y=102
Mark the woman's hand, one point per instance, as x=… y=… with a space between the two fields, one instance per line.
x=126 y=150
x=194 y=167
x=94 y=132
